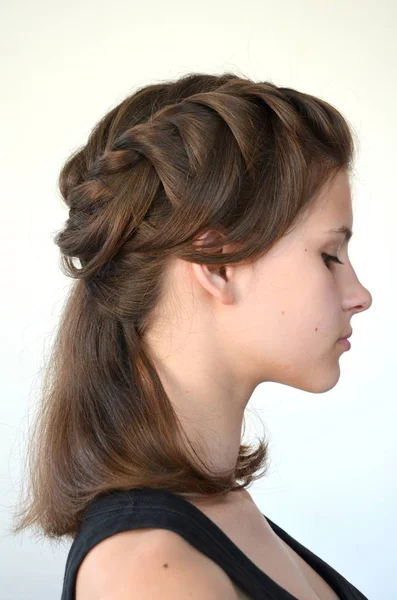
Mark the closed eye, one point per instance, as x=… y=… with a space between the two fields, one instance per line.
x=329 y=258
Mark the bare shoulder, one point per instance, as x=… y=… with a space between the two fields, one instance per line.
x=147 y=564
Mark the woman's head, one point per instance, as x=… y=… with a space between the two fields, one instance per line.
x=277 y=319
x=161 y=173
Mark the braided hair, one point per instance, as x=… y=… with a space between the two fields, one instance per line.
x=171 y=161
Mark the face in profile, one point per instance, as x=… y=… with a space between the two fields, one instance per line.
x=300 y=303
x=277 y=319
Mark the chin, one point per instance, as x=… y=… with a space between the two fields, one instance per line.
x=323 y=382
x=318 y=381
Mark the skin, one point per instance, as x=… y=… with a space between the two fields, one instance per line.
x=221 y=332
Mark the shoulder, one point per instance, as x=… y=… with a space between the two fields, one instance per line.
x=147 y=564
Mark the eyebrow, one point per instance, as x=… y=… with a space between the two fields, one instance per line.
x=343 y=230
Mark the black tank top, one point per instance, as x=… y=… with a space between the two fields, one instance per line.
x=120 y=510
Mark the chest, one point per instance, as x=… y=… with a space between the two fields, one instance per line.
x=244 y=524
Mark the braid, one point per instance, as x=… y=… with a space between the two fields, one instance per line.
x=164 y=154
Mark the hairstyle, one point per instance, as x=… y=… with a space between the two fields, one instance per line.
x=170 y=162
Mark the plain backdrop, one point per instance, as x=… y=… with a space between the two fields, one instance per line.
x=331 y=484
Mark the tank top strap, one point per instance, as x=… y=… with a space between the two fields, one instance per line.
x=122 y=510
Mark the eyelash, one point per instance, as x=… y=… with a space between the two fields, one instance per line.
x=329 y=258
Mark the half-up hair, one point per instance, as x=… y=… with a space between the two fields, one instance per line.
x=170 y=162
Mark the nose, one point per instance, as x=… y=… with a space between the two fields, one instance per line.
x=365 y=300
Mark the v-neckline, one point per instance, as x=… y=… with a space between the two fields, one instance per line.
x=271 y=585
x=234 y=558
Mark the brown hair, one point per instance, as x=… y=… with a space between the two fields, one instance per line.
x=171 y=161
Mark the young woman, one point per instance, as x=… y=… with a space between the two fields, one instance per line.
x=211 y=217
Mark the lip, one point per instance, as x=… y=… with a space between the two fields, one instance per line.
x=345 y=342
x=346 y=336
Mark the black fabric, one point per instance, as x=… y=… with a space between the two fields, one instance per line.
x=121 y=510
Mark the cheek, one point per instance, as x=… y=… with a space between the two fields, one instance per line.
x=304 y=317
x=290 y=306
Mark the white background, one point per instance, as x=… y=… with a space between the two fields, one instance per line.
x=64 y=64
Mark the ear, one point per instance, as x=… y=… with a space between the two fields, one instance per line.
x=214 y=278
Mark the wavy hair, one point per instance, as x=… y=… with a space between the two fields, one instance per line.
x=170 y=162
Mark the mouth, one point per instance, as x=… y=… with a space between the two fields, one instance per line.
x=344 y=337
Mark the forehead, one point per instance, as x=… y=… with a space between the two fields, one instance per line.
x=333 y=206
x=332 y=209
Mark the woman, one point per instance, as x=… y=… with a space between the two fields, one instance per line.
x=203 y=213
